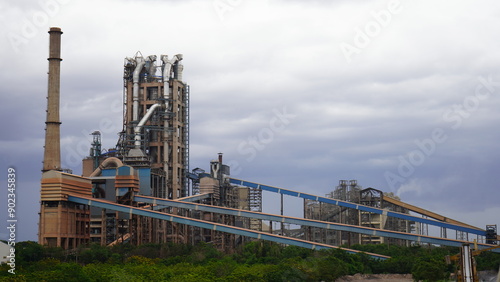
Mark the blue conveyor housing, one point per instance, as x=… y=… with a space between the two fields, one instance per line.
x=357 y=206
x=209 y=225
x=306 y=222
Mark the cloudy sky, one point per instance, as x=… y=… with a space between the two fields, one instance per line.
x=401 y=96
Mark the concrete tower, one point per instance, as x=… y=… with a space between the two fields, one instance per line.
x=62 y=223
x=52 y=152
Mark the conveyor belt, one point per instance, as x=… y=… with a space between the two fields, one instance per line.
x=194 y=198
x=427 y=213
x=307 y=222
x=208 y=225
x=357 y=206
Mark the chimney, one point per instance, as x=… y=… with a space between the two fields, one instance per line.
x=52 y=152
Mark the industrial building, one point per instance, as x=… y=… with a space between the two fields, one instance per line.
x=153 y=144
x=350 y=191
x=143 y=190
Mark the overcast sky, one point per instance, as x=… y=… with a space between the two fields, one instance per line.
x=401 y=96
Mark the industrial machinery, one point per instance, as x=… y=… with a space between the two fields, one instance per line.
x=466 y=264
x=142 y=191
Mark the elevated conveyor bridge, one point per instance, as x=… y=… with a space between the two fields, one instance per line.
x=158 y=204
x=305 y=222
x=444 y=224
x=208 y=225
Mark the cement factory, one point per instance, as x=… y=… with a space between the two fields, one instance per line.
x=144 y=191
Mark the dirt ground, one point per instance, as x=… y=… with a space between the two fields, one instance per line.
x=486 y=276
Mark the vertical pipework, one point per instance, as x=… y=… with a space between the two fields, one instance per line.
x=52 y=151
x=166 y=68
x=178 y=68
x=166 y=73
x=135 y=92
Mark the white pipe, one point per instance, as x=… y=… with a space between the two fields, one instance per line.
x=106 y=163
x=137 y=129
x=167 y=65
x=135 y=94
x=152 y=65
x=166 y=72
x=178 y=68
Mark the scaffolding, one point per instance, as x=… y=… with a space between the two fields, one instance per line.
x=255 y=204
x=350 y=191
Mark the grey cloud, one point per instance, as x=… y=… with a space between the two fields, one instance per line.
x=353 y=121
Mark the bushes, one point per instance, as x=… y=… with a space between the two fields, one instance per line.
x=488 y=261
x=429 y=269
x=95 y=253
x=255 y=261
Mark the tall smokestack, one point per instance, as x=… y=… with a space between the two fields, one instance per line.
x=52 y=153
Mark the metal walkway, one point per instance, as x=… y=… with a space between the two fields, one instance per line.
x=209 y=225
x=306 y=222
x=186 y=203
x=360 y=207
x=426 y=212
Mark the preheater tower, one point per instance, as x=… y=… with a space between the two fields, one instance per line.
x=156 y=122
x=52 y=152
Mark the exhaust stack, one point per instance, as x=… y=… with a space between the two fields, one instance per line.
x=52 y=148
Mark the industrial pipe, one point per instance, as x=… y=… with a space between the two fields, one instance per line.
x=178 y=68
x=137 y=129
x=166 y=73
x=151 y=65
x=167 y=65
x=107 y=162
x=135 y=94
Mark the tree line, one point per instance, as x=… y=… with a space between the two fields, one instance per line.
x=255 y=261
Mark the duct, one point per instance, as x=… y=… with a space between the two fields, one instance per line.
x=137 y=129
x=167 y=65
x=135 y=94
x=178 y=68
x=107 y=162
x=151 y=65
x=166 y=72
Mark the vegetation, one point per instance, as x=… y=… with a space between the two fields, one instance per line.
x=255 y=261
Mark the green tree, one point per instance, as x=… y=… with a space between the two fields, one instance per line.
x=223 y=267
x=255 y=272
x=53 y=270
x=295 y=252
x=488 y=261
x=57 y=253
x=94 y=253
x=429 y=269
x=203 y=252
x=285 y=271
x=29 y=251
